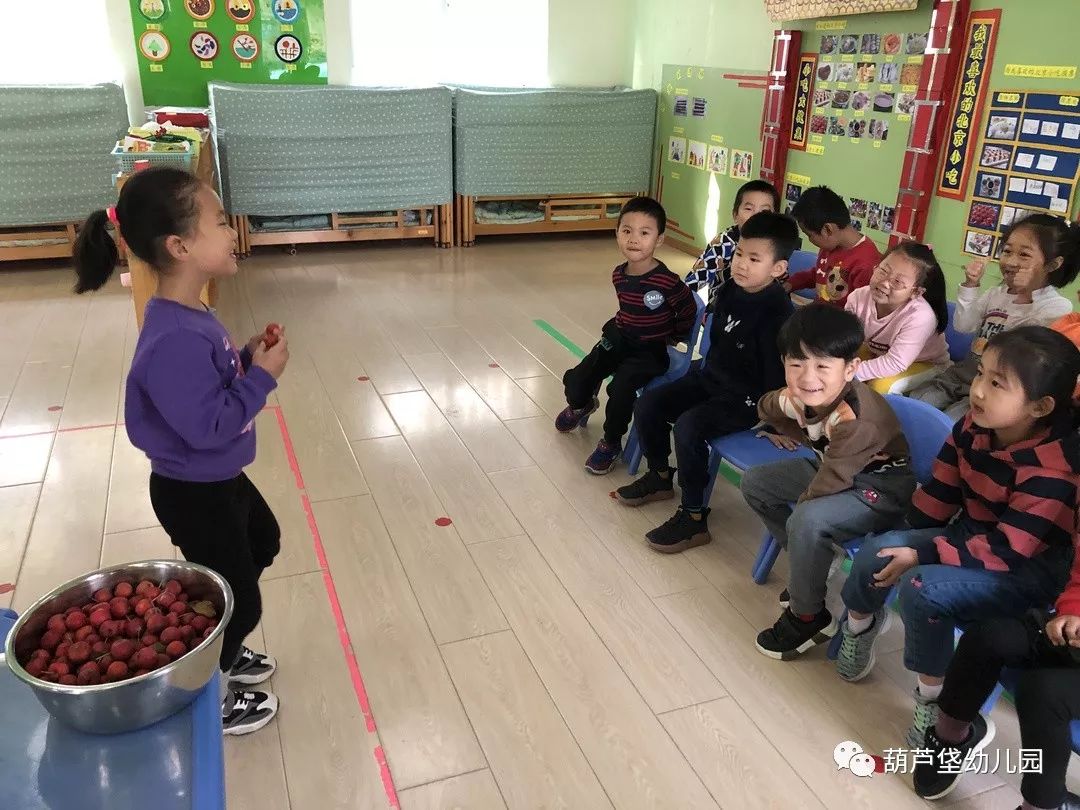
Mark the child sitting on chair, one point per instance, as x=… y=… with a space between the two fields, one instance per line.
x=860 y=482
x=904 y=314
x=993 y=530
x=655 y=309
x=846 y=258
x=712 y=267
x=720 y=397
x=1039 y=253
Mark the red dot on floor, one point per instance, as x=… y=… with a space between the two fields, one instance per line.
x=363 y=379
x=612 y=495
x=493 y=365
x=443 y=521
x=6 y=587
x=54 y=408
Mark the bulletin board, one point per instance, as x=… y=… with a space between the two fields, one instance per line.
x=865 y=75
x=708 y=145
x=1025 y=153
x=183 y=45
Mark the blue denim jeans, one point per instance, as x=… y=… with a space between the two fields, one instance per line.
x=935 y=598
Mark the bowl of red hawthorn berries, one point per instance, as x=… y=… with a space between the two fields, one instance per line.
x=123 y=647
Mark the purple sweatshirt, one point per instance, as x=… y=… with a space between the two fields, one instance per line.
x=191 y=396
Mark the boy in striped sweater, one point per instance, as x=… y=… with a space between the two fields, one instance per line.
x=655 y=309
x=993 y=530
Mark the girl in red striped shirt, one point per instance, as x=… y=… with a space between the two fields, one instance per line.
x=993 y=531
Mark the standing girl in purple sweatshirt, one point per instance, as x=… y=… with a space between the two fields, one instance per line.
x=191 y=401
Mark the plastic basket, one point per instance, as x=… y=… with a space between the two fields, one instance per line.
x=126 y=160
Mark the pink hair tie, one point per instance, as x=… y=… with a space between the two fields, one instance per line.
x=110 y=212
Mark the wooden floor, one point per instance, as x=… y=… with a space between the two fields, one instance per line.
x=533 y=653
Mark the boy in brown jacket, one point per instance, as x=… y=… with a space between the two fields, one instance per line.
x=860 y=482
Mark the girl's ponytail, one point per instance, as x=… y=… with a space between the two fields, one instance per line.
x=931 y=279
x=95 y=253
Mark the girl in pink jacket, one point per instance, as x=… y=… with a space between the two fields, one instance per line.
x=904 y=314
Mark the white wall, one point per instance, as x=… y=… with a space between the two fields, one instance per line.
x=590 y=42
x=713 y=33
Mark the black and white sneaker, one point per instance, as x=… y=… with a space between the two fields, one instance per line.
x=785 y=598
x=791 y=636
x=937 y=779
x=252 y=667
x=245 y=712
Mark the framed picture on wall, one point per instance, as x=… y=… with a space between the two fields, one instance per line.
x=717 y=159
x=676 y=151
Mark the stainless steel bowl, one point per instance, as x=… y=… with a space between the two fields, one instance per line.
x=110 y=708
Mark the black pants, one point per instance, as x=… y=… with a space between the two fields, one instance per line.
x=700 y=409
x=629 y=363
x=1047 y=694
x=229 y=528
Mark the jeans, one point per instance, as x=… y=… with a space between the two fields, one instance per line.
x=1047 y=694
x=700 y=410
x=935 y=598
x=810 y=530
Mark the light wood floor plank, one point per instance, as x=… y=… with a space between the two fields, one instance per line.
x=41 y=386
x=450 y=590
x=129 y=494
x=471 y=791
x=65 y=540
x=17 y=505
x=775 y=695
x=621 y=528
x=423 y=727
x=461 y=486
x=23 y=459
x=534 y=757
x=629 y=751
x=326 y=462
x=475 y=423
x=661 y=665
x=58 y=333
x=94 y=390
x=493 y=384
x=140 y=544
x=327 y=748
x=734 y=759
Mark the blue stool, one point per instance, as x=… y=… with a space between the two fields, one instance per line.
x=678 y=364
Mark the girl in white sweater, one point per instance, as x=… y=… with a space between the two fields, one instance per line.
x=1039 y=253
x=904 y=314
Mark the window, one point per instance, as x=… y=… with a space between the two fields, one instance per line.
x=59 y=42
x=417 y=43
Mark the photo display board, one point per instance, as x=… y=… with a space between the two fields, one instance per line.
x=864 y=81
x=708 y=144
x=182 y=45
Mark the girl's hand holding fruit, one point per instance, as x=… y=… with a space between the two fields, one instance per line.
x=272 y=358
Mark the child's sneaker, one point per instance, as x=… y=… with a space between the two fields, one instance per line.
x=936 y=779
x=924 y=718
x=791 y=636
x=252 y=667
x=856 y=656
x=571 y=418
x=784 y=598
x=244 y=712
x=682 y=530
x=603 y=458
x=650 y=487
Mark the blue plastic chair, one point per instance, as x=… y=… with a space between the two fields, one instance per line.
x=679 y=361
x=926 y=429
x=803 y=260
x=959 y=343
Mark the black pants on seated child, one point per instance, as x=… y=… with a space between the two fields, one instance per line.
x=228 y=527
x=630 y=364
x=700 y=409
x=1047 y=694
